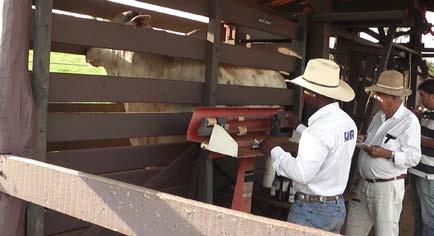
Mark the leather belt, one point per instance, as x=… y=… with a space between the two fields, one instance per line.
x=315 y=198
x=386 y=180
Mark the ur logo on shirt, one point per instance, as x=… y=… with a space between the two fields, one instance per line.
x=349 y=135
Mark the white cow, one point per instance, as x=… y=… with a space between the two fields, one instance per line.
x=146 y=65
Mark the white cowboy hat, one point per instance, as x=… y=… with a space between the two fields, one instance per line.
x=390 y=82
x=322 y=76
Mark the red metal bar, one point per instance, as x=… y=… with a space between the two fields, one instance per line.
x=242 y=199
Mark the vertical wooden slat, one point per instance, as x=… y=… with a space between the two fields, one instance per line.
x=41 y=63
x=303 y=32
x=16 y=102
x=210 y=86
x=382 y=66
x=212 y=53
x=353 y=79
x=417 y=45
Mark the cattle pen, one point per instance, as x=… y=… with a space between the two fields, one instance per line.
x=67 y=163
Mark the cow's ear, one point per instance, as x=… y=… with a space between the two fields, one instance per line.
x=142 y=21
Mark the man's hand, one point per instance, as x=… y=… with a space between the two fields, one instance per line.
x=271 y=142
x=361 y=138
x=379 y=152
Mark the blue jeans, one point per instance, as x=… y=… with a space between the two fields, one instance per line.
x=423 y=205
x=329 y=216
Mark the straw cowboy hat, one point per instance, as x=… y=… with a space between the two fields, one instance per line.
x=322 y=76
x=390 y=82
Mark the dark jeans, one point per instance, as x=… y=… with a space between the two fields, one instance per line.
x=329 y=216
x=422 y=196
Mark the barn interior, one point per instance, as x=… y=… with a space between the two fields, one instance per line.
x=89 y=128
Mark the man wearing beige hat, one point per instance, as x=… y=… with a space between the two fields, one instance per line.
x=392 y=145
x=320 y=170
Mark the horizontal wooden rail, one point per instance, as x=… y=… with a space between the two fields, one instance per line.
x=94 y=126
x=84 y=33
x=92 y=33
x=237 y=13
x=127 y=208
x=91 y=88
x=108 y=10
x=111 y=159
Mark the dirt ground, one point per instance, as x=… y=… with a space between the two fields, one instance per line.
x=406 y=222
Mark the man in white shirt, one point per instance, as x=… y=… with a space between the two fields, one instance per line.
x=320 y=170
x=392 y=146
x=422 y=178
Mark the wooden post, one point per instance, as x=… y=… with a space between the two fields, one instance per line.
x=318 y=37
x=212 y=53
x=417 y=45
x=41 y=64
x=382 y=66
x=210 y=88
x=16 y=105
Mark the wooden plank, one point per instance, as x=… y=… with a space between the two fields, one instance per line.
x=86 y=144
x=240 y=14
x=85 y=107
x=371 y=16
x=69 y=88
x=129 y=209
x=245 y=95
x=199 y=7
x=242 y=56
x=212 y=53
x=102 y=160
x=92 y=33
x=91 y=126
x=40 y=87
x=108 y=10
x=16 y=102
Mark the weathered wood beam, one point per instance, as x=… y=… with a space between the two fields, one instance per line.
x=428 y=50
x=395 y=15
x=381 y=67
x=405 y=49
x=108 y=10
x=69 y=88
x=94 y=126
x=83 y=34
x=373 y=34
x=111 y=159
x=427 y=54
x=387 y=48
x=16 y=102
x=40 y=82
x=127 y=208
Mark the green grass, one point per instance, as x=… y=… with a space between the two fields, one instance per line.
x=69 y=63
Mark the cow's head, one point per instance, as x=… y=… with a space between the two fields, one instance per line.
x=133 y=18
x=94 y=55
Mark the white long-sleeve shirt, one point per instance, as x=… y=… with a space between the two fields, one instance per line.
x=404 y=127
x=324 y=153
